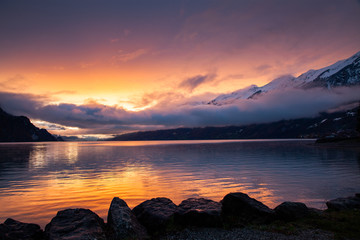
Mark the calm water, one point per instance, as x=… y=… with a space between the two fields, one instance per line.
x=38 y=179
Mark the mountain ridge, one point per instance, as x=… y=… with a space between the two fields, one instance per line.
x=20 y=129
x=345 y=72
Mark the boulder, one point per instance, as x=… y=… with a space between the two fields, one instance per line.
x=246 y=209
x=290 y=211
x=315 y=212
x=344 y=203
x=155 y=214
x=12 y=229
x=76 y=224
x=199 y=212
x=122 y=223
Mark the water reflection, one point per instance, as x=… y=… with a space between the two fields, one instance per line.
x=14 y=156
x=36 y=180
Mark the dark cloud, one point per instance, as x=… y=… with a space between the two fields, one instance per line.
x=98 y=118
x=191 y=83
x=21 y=104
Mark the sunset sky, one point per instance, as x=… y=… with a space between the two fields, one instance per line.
x=105 y=67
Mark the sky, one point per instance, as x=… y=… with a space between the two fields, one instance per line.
x=90 y=67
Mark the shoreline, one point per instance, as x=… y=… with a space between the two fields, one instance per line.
x=235 y=215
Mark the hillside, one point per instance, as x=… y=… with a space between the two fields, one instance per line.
x=339 y=124
x=20 y=129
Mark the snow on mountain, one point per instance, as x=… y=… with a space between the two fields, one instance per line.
x=244 y=93
x=325 y=72
x=342 y=73
x=253 y=90
x=280 y=83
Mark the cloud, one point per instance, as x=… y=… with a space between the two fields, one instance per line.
x=191 y=83
x=57 y=68
x=286 y=35
x=86 y=65
x=95 y=118
x=49 y=126
x=15 y=82
x=234 y=76
x=270 y=107
x=126 y=32
x=21 y=104
x=263 y=68
x=125 y=57
x=114 y=40
x=63 y=92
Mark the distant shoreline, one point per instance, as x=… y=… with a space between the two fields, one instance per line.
x=339 y=142
x=180 y=140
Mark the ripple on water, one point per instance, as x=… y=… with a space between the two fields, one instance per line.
x=38 y=179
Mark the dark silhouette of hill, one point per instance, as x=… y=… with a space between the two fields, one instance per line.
x=20 y=129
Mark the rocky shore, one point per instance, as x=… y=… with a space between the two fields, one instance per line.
x=237 y=216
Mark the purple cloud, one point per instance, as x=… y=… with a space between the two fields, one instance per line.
x=99 y=118
x=191 y=83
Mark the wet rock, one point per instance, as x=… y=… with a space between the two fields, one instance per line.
x=155 y=214
x=199 y=212
x=12 y=229
x=122 y=223
x=290 y=211
x=344 y=203
x=76 y=224
x=246 y=209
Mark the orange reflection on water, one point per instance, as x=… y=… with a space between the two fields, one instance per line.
x=133 y=184
x=70 y=186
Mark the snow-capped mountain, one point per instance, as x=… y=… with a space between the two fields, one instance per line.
x=253 y=90
x=342 y=73
x=244 y=93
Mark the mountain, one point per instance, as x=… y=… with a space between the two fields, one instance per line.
x=338 y=124
x=20 y=129
x=342 y=73
x=253 y=90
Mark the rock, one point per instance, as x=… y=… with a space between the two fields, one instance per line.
x=76 y=224
x=199 y=212
x=290 y=211
x=12 y=229
x=315 y=212
x=246 y=209
x=155 y=214
x=122 y=223
x=344 y=203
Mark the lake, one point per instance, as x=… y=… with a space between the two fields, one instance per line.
x=38 y=179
